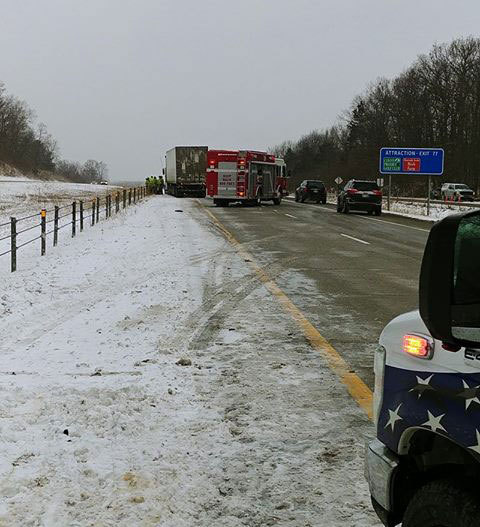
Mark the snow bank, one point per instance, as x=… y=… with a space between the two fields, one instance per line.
x=101 y=426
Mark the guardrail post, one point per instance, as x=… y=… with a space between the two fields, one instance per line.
x=97 y=212
x=93 y=212
x=55 y=227
x=124 y=197
x=13 y=243
x=74 y=218
x=81 y=215
x=43 y=235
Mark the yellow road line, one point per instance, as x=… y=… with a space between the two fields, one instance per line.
x=356 y=387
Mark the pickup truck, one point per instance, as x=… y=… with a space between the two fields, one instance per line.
x=423 y=467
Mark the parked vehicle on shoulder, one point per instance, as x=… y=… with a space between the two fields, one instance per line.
x=423 y=468
x=360 y=195
x=311 y=189
x=457 y=192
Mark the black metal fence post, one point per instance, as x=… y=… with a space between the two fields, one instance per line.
x=74 y=218
x=129 y=196
x=124 y=197
x=106 y=206
x=135 y=195
x=109 y=205
x=13 y=243
x=81 y=215
x=55 y=227
x=93 y=212
x=97 y=212
x=117 y=202
x=43 y=235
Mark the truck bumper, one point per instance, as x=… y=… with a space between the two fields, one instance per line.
x=380 y=466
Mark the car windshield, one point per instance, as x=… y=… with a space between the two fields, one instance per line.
x=365 y=185
x=315 y=184
x=462 y=187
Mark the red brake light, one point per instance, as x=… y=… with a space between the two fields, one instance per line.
x=352 y=191
x=377 y=192
x=418 y=346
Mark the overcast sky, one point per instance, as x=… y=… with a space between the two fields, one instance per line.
x=122 y=81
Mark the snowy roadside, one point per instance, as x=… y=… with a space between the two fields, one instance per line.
x=101 y=427
x=413 y=209
x=26 y=197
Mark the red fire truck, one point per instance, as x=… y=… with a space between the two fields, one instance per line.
x=246 y=176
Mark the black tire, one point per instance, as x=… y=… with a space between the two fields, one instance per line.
x=443 y=503
x=370 y=212
x=277 y=201
x=317 y=202
x=339 y=206
x=324 y=201
x=378 y=211
x=296 y=197
x=346 y=208
x=302 y=200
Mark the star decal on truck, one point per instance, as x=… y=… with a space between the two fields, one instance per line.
x=469 y=394
x=422 y=386
x=434 y=422
x=394 y=417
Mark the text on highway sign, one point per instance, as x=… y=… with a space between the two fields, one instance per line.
x=412 y=161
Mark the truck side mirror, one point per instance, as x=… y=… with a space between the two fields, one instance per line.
x=450 y=280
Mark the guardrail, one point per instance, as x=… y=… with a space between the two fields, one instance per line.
x=86 y=213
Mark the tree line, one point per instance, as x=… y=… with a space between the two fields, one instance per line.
x=29 y=147
x=435 y=103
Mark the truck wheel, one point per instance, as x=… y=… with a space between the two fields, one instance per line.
x=378 y=211
x=296 y=197
x=277 y=201
x=443 y=503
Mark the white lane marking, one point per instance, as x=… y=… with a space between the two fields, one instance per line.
x=356 y=239
x=394 y=223
x=290 y=216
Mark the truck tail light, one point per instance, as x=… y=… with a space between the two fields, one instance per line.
x=418 y=346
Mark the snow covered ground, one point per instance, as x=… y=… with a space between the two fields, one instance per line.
x=99 y=425
x=21 y=197
x=414 y=209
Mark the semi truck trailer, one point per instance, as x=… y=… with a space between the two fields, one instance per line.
x=185 y=170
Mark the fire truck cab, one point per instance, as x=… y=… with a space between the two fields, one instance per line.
x=245 y=176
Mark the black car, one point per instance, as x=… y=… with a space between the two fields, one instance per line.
x=360 y=195
x=311 y=189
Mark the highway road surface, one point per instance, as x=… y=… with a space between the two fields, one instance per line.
x=349 y=274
